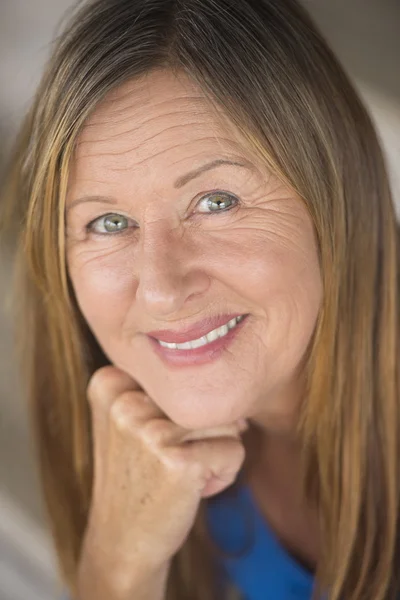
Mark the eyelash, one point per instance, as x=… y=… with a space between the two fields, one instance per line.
x=90 y=226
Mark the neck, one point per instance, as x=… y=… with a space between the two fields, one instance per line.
x=277 y=416
x=275 y=456
x=273 y=469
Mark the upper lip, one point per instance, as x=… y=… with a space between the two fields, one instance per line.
x=194 y=332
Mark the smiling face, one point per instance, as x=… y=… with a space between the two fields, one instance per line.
x=174 y=231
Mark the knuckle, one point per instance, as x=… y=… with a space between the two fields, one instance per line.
x=106 y=383
x=122 y=414
x=95 y=385
x=196 y=469
x=187 y=464
x=176 y=459
x=155 y=431
x=102 y=383
x=118 y=415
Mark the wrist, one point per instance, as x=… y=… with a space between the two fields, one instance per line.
x=100 y=579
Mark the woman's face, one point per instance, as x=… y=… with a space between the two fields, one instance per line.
x=174 y=230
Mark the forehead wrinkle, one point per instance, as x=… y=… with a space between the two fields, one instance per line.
x=142 y=84
x=145 y=160
x=230 y=143
x=93 y=121
x=189 y=110
x=84 y=140
x=137 y=128
x=230 y=153
x=179 y=145
x=155 y=135
x=129 y=150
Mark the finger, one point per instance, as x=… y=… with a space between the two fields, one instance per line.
x=232 y=430
x=105 y=385
x=220 y=459
x=161 y=432
x=131 y=411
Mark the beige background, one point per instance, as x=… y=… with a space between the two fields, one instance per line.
x=366 y=37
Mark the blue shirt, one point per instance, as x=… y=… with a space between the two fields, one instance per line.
x=257 y=563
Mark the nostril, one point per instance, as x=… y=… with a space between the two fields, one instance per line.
x=163 y=292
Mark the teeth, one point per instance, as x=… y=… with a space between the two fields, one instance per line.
x=197 y=343
x=212 y=336
x=223 y=330
x=168 y=345
x=206 y=339
x=185 y=346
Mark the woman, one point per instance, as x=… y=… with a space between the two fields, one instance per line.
x=208 y=252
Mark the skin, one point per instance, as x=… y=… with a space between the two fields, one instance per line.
x=174 y=265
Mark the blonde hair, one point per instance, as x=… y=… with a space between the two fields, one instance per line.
x=266 y=65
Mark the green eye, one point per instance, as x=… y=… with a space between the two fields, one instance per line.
x=217 y=202
x=109 y=224
x=114 y=223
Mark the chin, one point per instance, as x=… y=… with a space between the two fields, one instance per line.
x=201 y=408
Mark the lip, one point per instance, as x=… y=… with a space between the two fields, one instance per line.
x=188 y=334
x=196 y=356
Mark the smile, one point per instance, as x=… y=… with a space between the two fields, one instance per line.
x=208 y=338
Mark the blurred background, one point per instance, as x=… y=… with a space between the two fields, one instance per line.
x=366 y=37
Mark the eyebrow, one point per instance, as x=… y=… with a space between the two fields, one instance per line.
x=179 y=183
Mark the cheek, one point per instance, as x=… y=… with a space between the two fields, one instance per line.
x=294 y=293
x=104 y=288
x=281 y=283
x=270 y=271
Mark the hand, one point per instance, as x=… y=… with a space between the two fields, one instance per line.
x=149 y=477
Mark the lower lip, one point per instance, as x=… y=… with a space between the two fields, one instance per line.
x=197 y=356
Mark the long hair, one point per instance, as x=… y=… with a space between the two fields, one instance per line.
x=265 y=64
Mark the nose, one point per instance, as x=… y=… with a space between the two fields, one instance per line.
x=168 y=270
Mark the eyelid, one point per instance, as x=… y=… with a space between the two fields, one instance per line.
x=90 y=226
x=216 y=193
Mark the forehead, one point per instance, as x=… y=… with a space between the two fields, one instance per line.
x=160 y=118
